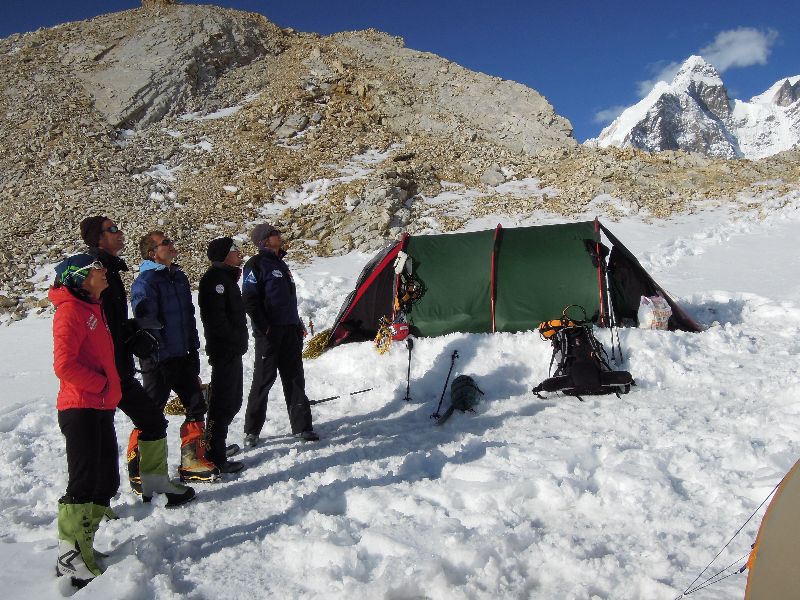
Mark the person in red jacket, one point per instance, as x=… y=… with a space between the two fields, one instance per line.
x=87 y=398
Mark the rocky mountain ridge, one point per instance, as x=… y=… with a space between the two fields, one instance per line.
x=201 y=121
x=695 y=113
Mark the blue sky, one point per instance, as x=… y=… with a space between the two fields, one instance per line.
x=588 y=58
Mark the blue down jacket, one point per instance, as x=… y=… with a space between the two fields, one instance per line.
x=164 y=294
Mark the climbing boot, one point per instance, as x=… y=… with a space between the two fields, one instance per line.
x=195 y=466
x=132 y=457
x=153 y=468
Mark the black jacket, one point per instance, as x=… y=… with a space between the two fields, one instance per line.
x=222 y=311
x=115 y=309
x=269 y=292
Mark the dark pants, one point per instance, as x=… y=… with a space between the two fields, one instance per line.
x=180 y=375
x=225 y=400
x=92 y=454
x=281 y=351
x=142 y=410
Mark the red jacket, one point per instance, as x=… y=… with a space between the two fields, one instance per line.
x=83 y=354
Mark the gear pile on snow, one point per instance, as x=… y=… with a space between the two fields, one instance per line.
x=582 y=362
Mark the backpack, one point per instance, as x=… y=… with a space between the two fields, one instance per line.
x=464 y=393
x=582 y=367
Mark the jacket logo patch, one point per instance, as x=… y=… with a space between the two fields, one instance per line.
x=251 y=278
x=92 y=322
x=220 y=289
x=277 y=273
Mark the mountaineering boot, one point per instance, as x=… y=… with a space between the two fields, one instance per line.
x=216 y=450
x=232 y=450
x=250 y=440
x=153 y=467
x=76 y=530
x=194 y=464
x=307 y=436
x=132 y=457
x=229 y=466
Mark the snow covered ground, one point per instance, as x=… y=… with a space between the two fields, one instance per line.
x=611 y=498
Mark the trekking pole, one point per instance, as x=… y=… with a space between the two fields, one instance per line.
x=453 y=358
x=410 y=345
x=329 y=398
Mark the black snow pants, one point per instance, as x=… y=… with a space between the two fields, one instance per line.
x=92 y=454
x=179 y=374
x=279 y=352
x=225 y=400
x=142 y=410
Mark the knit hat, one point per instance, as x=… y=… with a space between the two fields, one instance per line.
x=71 y=272
x=261 y=232
x=219 y=248
x=92 y=229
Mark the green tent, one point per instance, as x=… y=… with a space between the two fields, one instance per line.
x=503 y=280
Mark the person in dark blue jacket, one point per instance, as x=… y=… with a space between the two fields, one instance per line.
x=162 y=293
x=270 y=299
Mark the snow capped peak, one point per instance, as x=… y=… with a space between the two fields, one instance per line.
x=696 y=69
x=616 y=133
x=783 y=92
x=696 y=74
x=695 y=114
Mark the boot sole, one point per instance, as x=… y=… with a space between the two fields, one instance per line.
x=170 y=503
x=230 y=471
x=198 y=478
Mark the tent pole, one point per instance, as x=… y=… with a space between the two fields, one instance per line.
x=497 y=233
x=599 y=271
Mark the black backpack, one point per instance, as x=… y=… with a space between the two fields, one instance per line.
x=582 y=362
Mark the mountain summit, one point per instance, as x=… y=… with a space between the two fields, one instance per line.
x=695 y=113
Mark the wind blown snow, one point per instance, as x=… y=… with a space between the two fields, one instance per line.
x=527 y=498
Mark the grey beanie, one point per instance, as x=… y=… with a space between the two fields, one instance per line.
x=261 y=232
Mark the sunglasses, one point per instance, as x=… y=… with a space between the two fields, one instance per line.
x=165 y=242
x=72 y=270
x=112 y=229
x=95 y=265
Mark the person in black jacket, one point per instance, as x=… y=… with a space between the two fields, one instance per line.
x=270 y=299
x=225 y=326
x=105 y=241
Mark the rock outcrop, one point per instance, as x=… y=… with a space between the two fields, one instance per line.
x=166 y=63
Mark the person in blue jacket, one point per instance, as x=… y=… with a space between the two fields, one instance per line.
x=161 y=293
x=270 y=299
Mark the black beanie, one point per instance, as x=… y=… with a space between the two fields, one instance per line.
x=92 y=229
x=218 y=249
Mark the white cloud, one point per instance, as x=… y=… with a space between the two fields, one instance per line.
x=742 y=47
x=608 y=114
